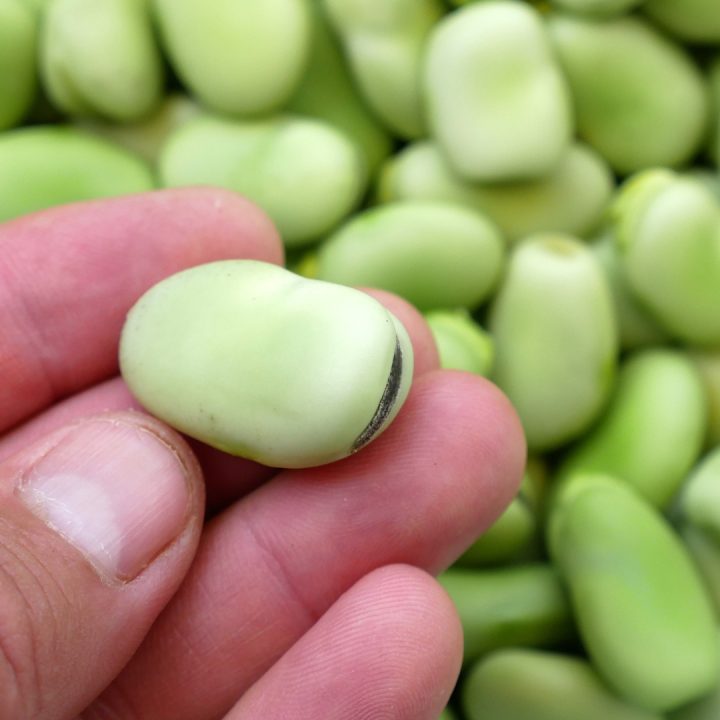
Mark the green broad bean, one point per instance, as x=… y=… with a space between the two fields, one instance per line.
x=304 y=173
x=435 y=255
x=147 y=137
x=533 y=685
x=667 y=229
x=598 y=8
x=708 y=365
x=637 y=327
x=18 y=41
x=269 y=366
x=498 y=105
x=461 y=342
x=99 y=58
x=700 y=501
x=652 y=433
x=555 y=338
x=447 y=714
x=641 y=609
x=692 y=21
x=384 y=41
x=509 y=538
x=707 y=177
x=715 y=129
x=570 y=199
x=240 y=57
x=623 y=110
x=705 y=554
x=327 y=92
x=44 y=166
x=523 y=605
x=707 y=708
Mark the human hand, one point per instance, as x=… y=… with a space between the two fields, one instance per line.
x=299 y=594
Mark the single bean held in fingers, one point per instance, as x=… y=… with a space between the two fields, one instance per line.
x=261 y=363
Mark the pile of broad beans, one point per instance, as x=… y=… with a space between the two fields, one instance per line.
x=540 y=179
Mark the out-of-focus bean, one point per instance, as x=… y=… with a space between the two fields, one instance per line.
x=384 y=41
x=555 y=338
x=435 y=255
x=570 y=199
x=326 y=92
x=630 y=117
x=304 y=173
x=667 y=229
x=498 y=104
x=99 y=58
x=653 y=431
x=694 y=21
x=523 y=605
x=462 y=343
x=44 y=166
x=708 y=364
x=18 y=46
x=641 y=609
x=533 y=685
x=240 y=57
x=637 y=327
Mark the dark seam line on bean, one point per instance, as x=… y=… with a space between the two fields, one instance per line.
x=387 y=401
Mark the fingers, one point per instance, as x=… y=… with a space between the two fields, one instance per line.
x=59 y=328
x=99 y=522
x=390 y=647
x=271 y=565
x=227 y=478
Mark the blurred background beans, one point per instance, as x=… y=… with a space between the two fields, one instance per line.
x=540 y=178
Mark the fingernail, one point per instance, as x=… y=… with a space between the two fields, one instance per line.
x=114 y=490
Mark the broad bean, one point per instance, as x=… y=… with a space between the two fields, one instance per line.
x=462 y=344
x=570 y=199
x=498 y=104
x=43 y=166
x=694 y=21
x=18 y=47
x=700 y=502
x=708 y=364
x=532 y=685
x=384 y=41
x=667 y=229
x=326 y=92
x=653 y=431
x=240 y=57
x=555 y=338
x=270 y=366
x=523 y=605
x=304 y=173
x=509 y=538
x=640 y=606
x=636 y=325
x=435 y=255
x=99 y=58
x=630 y=117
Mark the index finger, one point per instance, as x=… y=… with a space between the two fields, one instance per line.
x=69 y=275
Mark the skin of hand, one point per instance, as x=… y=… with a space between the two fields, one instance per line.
x=145 y=576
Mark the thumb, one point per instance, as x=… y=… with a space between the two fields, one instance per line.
x=98 y=525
